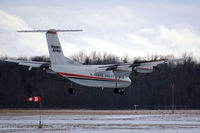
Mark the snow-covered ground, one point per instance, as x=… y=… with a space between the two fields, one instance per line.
x=81 y=122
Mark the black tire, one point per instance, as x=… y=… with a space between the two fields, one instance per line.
x=71 y=91
x=117 y=91
x=123 y=93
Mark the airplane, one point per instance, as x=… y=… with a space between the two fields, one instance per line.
x=114 y=76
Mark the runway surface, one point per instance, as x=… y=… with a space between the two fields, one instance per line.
x=89 y=121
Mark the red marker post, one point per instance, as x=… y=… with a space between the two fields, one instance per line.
x=36 y=99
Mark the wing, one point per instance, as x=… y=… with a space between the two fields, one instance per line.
x=149 y=66
x=30 y=64
x=121 y=70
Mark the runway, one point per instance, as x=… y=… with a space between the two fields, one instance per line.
x=101 y=121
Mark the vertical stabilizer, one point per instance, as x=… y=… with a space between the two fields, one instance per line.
x=55 y=50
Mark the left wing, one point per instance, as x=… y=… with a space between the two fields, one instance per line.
x=30 y=64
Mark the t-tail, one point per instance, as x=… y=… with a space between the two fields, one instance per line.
x=55 y=50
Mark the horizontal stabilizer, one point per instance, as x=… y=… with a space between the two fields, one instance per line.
x=30 y=64
x=51 y=30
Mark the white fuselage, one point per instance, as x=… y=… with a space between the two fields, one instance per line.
x=91 y=75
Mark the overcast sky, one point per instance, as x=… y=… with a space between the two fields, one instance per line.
x=128 y=27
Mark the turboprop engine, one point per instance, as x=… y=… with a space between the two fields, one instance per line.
x=144 y=69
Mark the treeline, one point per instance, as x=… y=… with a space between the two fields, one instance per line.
x=148 y=92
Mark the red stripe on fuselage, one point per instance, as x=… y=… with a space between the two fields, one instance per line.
x=89 y=77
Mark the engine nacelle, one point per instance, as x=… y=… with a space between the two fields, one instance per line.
x=142 y=69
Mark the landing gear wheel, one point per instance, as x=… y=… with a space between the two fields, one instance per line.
x=72 y=91
x=117 y=90
x=122 y=92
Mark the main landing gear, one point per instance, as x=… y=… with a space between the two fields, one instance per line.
x=71 y=90
x=120 y=91
x=117 y=90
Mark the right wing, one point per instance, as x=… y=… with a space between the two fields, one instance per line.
x=139 y=67
x=30 y=64
x=149 y=66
